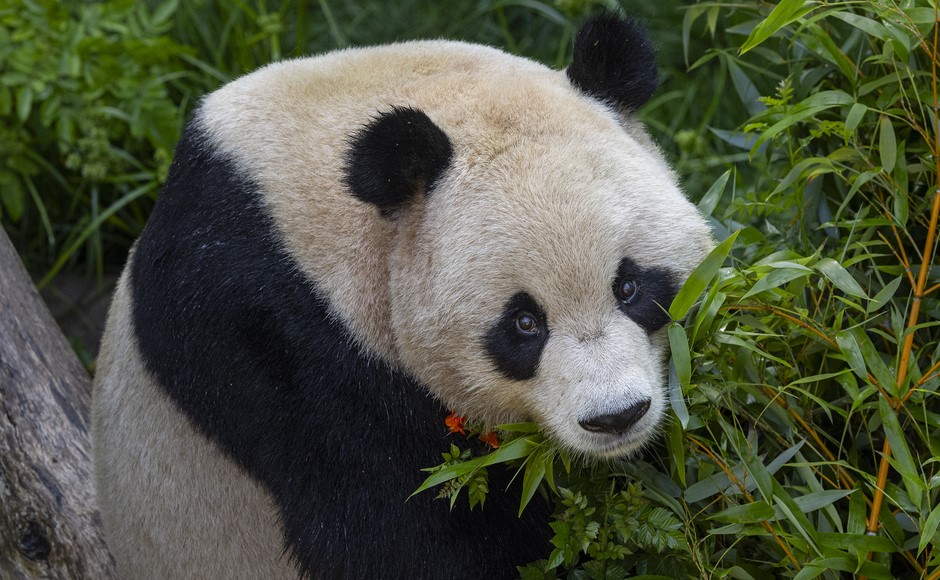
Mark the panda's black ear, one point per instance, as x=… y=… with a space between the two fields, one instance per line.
x=398 y=155
x=614 y=61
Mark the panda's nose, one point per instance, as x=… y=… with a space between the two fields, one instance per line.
x=617 y=423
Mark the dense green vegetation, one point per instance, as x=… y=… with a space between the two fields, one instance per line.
x=805 y=430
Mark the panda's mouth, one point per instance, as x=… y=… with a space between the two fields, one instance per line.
x=607 y=445
x=616 y=446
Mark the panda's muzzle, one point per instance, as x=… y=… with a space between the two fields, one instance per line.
x=617 y=423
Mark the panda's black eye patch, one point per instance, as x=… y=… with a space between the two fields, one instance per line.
x=644 y=294
x=516 y=340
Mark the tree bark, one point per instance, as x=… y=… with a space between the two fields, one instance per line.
x=50 y=526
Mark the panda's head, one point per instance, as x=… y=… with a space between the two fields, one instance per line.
x=539 y=238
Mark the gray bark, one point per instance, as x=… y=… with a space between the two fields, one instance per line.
x=50 y=526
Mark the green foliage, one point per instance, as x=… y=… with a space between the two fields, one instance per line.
x=88 y=120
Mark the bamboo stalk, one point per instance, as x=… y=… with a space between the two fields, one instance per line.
x=874 y=522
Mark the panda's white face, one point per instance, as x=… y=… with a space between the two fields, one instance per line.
x=533 y=284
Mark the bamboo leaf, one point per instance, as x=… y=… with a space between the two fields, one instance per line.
x=24 y=102
x=164 y=12
x=854 y=117
x=876 y=365
x=853 y=354
x=775 y=279
x=840 y=277
x=679 y=344
x=676 y=398
x=903 y=460
x=883 y=295
x=783 y=14
x=710 y=200
x=515 y=449
x=929 y=530
x=865 y=24
x=810 y=107
x=534 y=473
x=849 y=541
x=798 y=520
x=700 y=278
x=844 y=564
x=887 y=144
x=674 y=445
x=747 y=92
x=811 y=502
x=758 y=511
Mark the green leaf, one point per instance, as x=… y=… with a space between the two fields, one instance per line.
x=873 y=570
x=929 y=529
x=809 y=107
x=534 y=473
x=854 y=117
x=876 y=366
x=811 y=502
x=903 y=460
x=884 y=295
x=818 y=164
x=93 y=228
x=509 y=451
x=852 y=352
x=675 y=446
x=24 y=102
x=849 y=541
x=775 y=279
x=711 y=485
x=798 y=520
x=758 y=511
x=710 y=200
x=13 y=196
x=707 y=313
x=164 y=12
x=676 y=397
x=679 y=344
x=747 y=92
x=700 y=278
x=864 y=358
x=840 y=277
x=858 y=512
x=866 y=25
x=448 y=473
x=901 y=205
x=861 y=180
x=887 y=144
x=783 y=14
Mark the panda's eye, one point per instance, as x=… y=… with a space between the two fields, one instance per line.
x=626 y=290
x=526 y=323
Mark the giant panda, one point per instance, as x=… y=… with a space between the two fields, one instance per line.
x=346 y=247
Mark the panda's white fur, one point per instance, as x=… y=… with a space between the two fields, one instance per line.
x=547 y=190
x=173 y=505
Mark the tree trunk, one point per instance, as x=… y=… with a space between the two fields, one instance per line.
x=49 y=521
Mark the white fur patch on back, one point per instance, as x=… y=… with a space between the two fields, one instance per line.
x=173 y=505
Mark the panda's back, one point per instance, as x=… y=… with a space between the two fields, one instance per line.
x=164 y=521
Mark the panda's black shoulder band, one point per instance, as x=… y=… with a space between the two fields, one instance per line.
x=614 y=61
x=399 y=154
